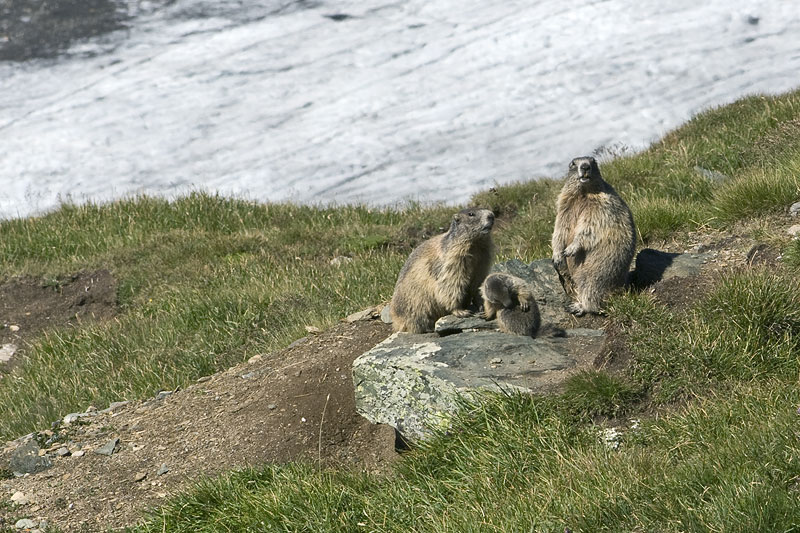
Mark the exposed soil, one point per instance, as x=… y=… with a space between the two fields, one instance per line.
x=28 y=306
x=296 y=403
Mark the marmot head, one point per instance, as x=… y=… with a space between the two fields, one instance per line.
x=472 y=223
x=496 y=291
x=585 y=171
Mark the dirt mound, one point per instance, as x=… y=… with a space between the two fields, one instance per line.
x=293 y=404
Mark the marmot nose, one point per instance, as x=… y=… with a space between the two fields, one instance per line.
x=585 y=167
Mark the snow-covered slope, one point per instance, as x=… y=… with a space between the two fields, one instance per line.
x=423 y=99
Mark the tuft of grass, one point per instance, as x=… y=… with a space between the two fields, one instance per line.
x=747 y=329
x=758 y=191
x=593 y=393
x=792 y=254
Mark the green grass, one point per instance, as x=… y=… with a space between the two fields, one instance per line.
x=206 y=282
x=518 y=464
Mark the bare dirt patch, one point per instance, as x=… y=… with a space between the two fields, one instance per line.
x=294 y=404
x=28 y=306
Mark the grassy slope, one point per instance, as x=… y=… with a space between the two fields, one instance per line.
x=207 y=282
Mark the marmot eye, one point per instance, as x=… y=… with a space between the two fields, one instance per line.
x=471 y=213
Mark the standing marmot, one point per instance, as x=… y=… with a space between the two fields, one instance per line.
x=443 y=274
x=594 y=237
x=511 y=299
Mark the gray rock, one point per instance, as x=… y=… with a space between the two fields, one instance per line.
x=79 y=453
x=7 y=351
x=794 y=231
x=366 y=314
x=163 y=394
x=72 y=417
x=412 y=381
x=26 y=459
x=114 y=407
x=386 y=316
x=654 y=265
x=794 y=209
x=139 y=476
x=298 y=342
x=108 y=448
x=450 y=324
x=163 y=469
x=63 y=451
x=25 y=523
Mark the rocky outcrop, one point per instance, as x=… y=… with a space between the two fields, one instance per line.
x=413 y=382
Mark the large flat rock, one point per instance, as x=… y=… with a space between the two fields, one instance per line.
x=412 y=381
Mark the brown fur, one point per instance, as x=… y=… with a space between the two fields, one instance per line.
x=594 y=238
x=511 y=299
x=443 y=274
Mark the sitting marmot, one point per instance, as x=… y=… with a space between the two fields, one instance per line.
x=443 y=274
x=594 y=238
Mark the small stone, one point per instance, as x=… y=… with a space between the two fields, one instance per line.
x=63 y=451
x=13 y=327
x=794 y=210
x=163 y=394
x=163 y=469
x=794 y=231
x=72 y=417
x=20 y=499
x=139 y=477
x=7 y=351
x=118 y=406
x=314 y=330
x=79 y=453
x=496 y=361
x=298 y=342
x=298 y=373
x=366 y=314
x=272 y=407
x=386 y=314
x=249 y=375
x=108 y=448
x=25 y=523
x=256 y=358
